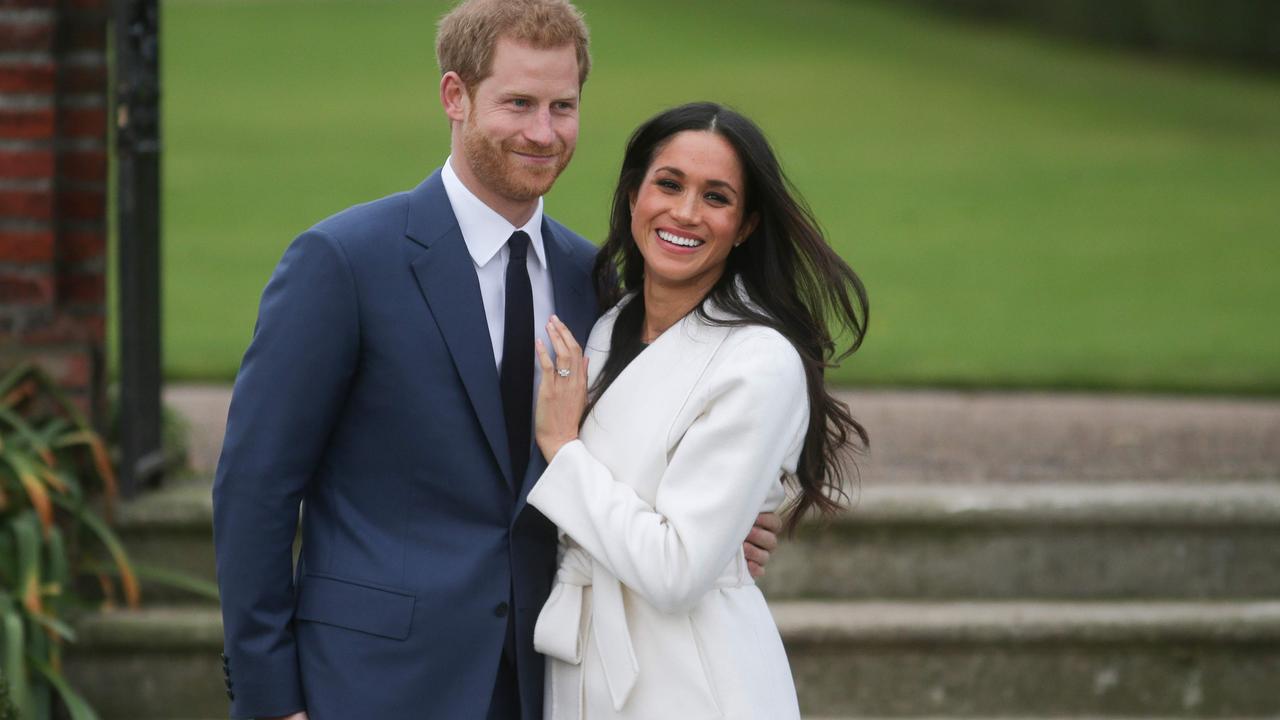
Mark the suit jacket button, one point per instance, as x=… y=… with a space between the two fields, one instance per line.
x=501 y=609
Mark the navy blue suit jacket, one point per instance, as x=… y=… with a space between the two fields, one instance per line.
x=369 y=395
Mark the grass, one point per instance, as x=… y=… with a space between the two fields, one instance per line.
x=1025 y=212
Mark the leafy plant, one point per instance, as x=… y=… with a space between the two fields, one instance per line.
x=7 y=710
x=50 y=462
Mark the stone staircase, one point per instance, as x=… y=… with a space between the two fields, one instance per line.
x=1048 y=584
x=1120 y=600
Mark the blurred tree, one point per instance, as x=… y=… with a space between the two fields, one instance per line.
x=1245 y=31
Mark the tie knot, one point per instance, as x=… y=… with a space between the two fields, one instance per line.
x=519 y=245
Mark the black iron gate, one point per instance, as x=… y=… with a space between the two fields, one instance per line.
x=137 y=144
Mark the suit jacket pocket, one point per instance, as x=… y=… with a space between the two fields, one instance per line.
x=377 y=611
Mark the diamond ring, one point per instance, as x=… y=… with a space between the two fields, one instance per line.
x=563 y=372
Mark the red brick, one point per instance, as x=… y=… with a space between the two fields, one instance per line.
x=26 y=204
x=96 y=326
x=19 y=289
x=26 y=124
x=89 y=34
x=66 y=329
x=77 y=372
x=84 y=122
x=37 y=78
x=26 y=163
x=84 y=288
x=82 y=245
x=82 y=204
x=25 y=247
x=53 y=363
x=71 y=368
x=26 y=36
x=84 y=78
x=86 y=165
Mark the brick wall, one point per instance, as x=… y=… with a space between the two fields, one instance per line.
x=53 y=184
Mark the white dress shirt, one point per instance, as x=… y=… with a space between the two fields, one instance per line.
x=485 y=233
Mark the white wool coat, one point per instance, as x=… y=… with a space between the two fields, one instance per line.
x=654 y=614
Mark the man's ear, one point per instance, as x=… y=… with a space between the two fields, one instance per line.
x=454 y=97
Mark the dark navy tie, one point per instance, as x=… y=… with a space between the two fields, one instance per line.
x=517 y=357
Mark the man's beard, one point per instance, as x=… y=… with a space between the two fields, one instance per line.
x=498 y=170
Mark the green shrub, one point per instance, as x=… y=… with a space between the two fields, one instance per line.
x=50 y=460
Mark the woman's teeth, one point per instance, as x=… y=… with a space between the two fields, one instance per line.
x=677 y=240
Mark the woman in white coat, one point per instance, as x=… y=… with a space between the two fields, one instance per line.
x=703 y=393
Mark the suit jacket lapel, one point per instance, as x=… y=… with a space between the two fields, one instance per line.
x=575 y=306
x=570 y=283
x=446 y=275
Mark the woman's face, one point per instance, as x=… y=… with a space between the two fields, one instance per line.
x=688 y=212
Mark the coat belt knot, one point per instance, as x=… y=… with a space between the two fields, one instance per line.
x=562 y=627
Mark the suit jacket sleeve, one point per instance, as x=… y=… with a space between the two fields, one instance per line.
x=754 y=413
x=290 y=388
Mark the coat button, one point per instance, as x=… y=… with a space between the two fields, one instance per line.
x=501 y=609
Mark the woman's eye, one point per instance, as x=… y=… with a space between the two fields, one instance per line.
x=717 y=198
x=669 y=184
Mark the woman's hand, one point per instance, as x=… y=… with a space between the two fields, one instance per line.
x=562 y=396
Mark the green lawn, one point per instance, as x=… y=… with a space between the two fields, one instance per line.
x=1025 y=212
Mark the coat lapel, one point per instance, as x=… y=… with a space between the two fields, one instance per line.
x=446 y=275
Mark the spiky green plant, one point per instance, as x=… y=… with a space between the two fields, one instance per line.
x=51 y=463
x=7 y=710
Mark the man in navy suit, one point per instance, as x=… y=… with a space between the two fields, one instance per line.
x=388 y=391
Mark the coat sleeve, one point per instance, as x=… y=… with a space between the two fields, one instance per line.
x=290 y=388
x=754 y=414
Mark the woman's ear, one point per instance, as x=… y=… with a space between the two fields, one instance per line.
x=748 y=226
x=631 y=198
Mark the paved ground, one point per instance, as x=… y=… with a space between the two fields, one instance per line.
x=922 y=435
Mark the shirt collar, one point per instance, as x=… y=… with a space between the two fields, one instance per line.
x=483 y=229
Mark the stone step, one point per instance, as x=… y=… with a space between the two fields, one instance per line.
x=1050 y=541
x=1186 y=659
x=929 y=541
x=171 y=529
x=1042 y=660
x=150 y=664
x=854 y=659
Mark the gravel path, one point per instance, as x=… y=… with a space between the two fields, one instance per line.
x=924 y=435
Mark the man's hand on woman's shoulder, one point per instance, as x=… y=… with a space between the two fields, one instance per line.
x=761 y=542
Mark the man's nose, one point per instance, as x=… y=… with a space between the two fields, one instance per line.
x=539 y=129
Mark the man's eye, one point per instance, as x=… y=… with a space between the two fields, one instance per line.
x=565 y=106
x=520 y=102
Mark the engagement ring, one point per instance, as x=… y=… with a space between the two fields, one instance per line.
x=563 y=372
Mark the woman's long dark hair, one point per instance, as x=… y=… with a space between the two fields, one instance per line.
x=795 y=283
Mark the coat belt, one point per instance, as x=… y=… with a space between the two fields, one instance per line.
x=561 y=630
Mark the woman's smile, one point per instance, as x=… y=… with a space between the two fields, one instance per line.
x=679 y=242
